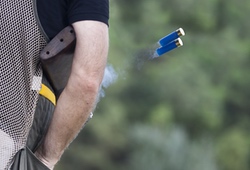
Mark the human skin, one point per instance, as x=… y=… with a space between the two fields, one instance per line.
x=78 y=99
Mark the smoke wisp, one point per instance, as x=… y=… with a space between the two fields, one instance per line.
x=110 y=76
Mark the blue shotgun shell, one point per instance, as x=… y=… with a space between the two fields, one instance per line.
x=171 y=37
x=174 y=44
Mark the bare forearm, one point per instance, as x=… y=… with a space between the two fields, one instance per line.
x=70 y=115
x=79 y=96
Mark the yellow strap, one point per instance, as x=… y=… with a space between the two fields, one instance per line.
x=48 y=94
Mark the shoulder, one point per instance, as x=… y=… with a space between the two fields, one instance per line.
x=54 y=15
x=88 y=10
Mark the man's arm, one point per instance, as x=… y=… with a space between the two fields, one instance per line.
x=78 y=99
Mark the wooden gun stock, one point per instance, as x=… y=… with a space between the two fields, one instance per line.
x=57 y=59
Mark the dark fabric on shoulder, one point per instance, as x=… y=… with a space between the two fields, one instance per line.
x=89 y=10
x=57 y=14
x=52 y=15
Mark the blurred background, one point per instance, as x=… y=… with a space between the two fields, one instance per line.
x=186 y=110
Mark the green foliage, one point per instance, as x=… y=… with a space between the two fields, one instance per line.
x=161 y=149
x=233 y=150
x=161 y=116
x=186 y=110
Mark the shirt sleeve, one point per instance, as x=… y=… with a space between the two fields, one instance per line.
x=97 y=10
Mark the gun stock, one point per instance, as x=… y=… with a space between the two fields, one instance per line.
x=57 y=57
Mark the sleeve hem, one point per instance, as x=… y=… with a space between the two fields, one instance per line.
x=88 y=16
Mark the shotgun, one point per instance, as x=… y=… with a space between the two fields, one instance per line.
x=57 y=57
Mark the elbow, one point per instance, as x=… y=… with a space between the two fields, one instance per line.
x=90 y=85
x=84 y=86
